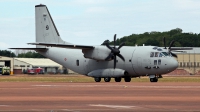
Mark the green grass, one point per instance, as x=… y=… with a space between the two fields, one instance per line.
x=80 y=78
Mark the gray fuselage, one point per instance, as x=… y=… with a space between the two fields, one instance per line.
x=138 y=61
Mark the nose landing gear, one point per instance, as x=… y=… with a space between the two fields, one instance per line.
x=154 y=78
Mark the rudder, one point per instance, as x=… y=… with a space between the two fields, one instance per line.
x=46 y=31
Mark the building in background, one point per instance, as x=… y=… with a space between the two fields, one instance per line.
x=189 y=62
x=8 y=62
x=21 y=65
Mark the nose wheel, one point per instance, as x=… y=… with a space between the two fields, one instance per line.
x=154 y=79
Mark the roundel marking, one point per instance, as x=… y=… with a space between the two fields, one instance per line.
x=47 y=27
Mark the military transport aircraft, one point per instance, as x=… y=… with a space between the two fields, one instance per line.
x=101 y=61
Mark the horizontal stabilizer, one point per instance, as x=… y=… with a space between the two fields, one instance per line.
x=64 y=45
x=37 y=49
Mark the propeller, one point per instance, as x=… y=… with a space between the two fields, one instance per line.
x=114 y=52
x=170 y=45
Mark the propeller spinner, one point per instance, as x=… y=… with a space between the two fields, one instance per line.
x=114 y=52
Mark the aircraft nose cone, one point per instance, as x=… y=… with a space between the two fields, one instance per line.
x=174 y=64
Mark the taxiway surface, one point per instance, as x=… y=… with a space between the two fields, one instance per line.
x=98 y=97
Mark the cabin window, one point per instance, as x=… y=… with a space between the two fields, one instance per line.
x=156 y=54
x=159 y=62
x=152 y=54
x=155 y=62
x=77 y=62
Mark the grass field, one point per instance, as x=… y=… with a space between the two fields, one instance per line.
x=81 y=78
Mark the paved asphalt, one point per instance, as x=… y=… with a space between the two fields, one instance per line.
x=99 y=97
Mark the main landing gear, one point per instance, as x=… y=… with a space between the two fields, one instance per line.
x=118 y=79
x=108 y=79
x=97 y=79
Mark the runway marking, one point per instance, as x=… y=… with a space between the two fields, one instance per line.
x=69 y=110
x=123 y=86
x=113 y=106
x=4 y=105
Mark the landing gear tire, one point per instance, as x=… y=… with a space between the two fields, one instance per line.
x=153 y=80
x=118 y=79
x=97 y=79
x=107 y=79
x=127 y=79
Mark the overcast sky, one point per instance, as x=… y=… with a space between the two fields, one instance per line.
x=90 y=22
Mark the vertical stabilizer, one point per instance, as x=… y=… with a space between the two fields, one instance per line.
x=46 y=31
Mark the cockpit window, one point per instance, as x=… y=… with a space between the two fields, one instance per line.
x=161 y=55
x=152 y=54
x=155 y=48
x=165 y=53
x=159 y=49
x=156 y=54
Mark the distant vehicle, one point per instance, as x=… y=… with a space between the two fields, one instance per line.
x=30 y=71
x=39 y=71
x=35 y=71
x=5 y=70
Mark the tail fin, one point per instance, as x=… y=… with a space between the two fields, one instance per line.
x=46 y=31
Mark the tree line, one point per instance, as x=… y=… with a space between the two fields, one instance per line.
x=155 y=38
x=29 y=54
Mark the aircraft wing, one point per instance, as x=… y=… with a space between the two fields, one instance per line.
x=181 y=48
x=37 y=49
x=63 y=45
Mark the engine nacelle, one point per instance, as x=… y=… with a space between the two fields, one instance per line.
x=108 y=73
x=98 y=53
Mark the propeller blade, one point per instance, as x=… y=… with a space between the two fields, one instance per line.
x=164 y=43
x=108 y=46
x=114 y=39
x=109 y=57
x=122 y=44
x=174 y=55
x=171 y=44
x=115 y=61
x=119 y=55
